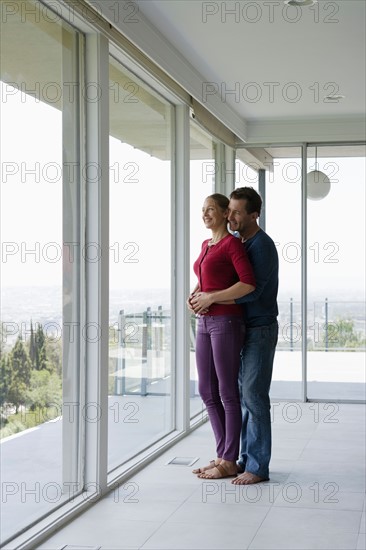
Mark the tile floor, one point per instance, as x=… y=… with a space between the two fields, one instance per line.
x=315 y=498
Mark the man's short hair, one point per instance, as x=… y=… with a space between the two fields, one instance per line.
x=252 y=198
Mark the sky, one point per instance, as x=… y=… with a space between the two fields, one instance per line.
x=140 y=211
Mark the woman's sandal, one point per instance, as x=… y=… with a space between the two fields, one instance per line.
x=221 y=469
x=204 y=468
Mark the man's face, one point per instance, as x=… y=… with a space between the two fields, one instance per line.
x=238 y=218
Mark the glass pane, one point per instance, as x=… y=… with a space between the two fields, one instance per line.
x=34 y=206
x=140 y=367
x=336 y=274
x=246 y=170
x=282 y=188
x=283 y=224
x=202 y=184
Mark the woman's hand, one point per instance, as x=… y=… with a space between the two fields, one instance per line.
x=201 y=302
x=189 y=303
x=189 y=299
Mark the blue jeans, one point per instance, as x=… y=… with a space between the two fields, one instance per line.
x=255 y=377
x=218 y=343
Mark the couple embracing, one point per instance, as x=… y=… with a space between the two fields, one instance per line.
x=236 y=301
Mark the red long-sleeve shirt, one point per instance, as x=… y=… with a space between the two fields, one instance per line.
x=220 y=266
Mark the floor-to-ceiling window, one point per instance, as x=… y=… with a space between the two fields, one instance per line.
x=276 y=174
x=40 y=183
x=334 y=227
x=140 y=406
x=283 y=224
x=336 y=272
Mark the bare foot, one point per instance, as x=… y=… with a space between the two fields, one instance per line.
x=219 y=471
x=209 y=467
x=247 y=478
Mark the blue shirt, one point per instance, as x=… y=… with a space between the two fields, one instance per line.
x=260 y=306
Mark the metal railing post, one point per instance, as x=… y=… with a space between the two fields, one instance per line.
x=121 y=362
x=291 y=325
x=159 y=332
x=146 y=345
x=326 y=324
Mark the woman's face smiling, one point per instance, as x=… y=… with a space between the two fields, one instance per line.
x=212 y=215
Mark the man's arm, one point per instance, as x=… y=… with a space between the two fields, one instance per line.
x=264 y=260
x=261 y=283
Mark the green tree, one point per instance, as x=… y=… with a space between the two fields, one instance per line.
x=2 y=340
x=32 y=347
x=44 y=390
x=53 y=349
x=40 y=349
x=5 y=377
x=342 y=334
x=44 y=352
x=20 y=374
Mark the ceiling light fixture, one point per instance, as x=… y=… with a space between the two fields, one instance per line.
x=300 y=2
x=318 y=183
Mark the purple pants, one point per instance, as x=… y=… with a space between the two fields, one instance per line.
x=219 y=341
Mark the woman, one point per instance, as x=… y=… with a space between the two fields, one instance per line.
x=222 y=265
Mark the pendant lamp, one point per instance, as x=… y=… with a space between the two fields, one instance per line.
x=318 y=183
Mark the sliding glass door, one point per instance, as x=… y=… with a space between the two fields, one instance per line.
x=140 y=406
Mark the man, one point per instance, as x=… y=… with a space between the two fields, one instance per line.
x=257 y=355
x=261 y=337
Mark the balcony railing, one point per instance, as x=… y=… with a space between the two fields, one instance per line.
x=140 y=363
x=332 y=326
x=140 y=360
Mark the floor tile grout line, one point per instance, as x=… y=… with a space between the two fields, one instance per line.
x=261 y=523
x=166 y=519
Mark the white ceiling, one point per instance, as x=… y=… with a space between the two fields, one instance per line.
x=279 y=70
